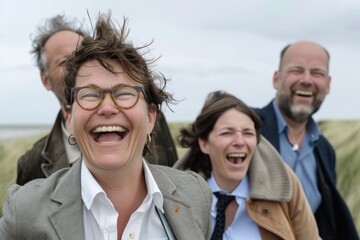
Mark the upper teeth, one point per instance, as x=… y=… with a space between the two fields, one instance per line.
x=109 y=129
x=238 y=155
x=301 y=92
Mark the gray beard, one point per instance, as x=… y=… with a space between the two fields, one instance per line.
x=298 y=115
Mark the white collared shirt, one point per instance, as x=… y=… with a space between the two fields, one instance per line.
x=100 y=216
x=242 y=225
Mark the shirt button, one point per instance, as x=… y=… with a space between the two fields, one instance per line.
x=132 y=235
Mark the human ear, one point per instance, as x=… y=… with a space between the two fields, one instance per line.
x=45 y=81
x=276 y=80
x=68 y=117
x=152 y=113
x=328 y=88
x=203 y=146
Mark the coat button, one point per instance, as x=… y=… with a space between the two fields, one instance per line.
x=265 y=212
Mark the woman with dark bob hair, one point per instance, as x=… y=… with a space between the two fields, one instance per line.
x=256 y=196
x=112 y=192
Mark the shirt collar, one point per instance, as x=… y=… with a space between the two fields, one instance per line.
x=90 y=188
x=242 y=190
x=152 y=188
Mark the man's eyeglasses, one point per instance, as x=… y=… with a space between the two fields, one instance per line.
x=90 y=97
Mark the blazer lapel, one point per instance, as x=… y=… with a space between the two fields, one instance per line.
x=66 y=215
x=180 y=219
x=177 y=209
x=269 y=128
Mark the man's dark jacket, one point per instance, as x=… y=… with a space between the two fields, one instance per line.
x=333 y=216
x=48 y=154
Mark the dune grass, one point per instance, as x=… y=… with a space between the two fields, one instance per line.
x=344 y=135
x=10 y=151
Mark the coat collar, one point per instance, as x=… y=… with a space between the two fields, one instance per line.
x=269 y=127
x=269 y=177
x=54 y=149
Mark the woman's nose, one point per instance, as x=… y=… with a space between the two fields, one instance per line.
x=238 y=139
x=108 y=106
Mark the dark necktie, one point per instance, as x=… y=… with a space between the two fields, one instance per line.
x=223 y=202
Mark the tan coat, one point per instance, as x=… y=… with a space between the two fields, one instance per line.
x=277 y=203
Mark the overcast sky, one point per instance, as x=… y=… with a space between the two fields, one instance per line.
x=232 y=45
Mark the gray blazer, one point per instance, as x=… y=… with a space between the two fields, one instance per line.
x=51 y=208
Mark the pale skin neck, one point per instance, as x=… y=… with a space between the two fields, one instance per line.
x=296 y=131
x=126 y=191
x=296 y=128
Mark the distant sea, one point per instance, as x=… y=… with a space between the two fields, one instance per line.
x=9 y=132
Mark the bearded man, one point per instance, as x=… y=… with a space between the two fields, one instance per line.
x=302 y=82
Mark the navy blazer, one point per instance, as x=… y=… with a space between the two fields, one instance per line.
x=333 y=216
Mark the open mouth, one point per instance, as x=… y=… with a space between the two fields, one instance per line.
x=109 y=133
x=236 y=158
x=304 y=93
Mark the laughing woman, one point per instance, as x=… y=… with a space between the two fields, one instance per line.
x=256 y=196
x=112 y=100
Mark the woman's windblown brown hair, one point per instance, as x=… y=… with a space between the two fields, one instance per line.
x=110 y=43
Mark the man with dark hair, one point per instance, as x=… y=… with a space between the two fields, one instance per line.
x=54 y=42
x=302 y=82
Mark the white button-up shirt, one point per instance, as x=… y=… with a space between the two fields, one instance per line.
x=100 y=216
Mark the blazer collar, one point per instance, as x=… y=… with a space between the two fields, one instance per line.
x=269 y=127
x=67 y=218
x=66 y=215
x=176 y=207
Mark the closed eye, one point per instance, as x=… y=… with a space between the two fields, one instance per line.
x=249 y=133
x=318 y=74
x=226 y=132
x=90 y=96
x=123 y=95
x=296 y=71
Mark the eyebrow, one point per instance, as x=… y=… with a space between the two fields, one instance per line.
x=302 y=68
x=235 y=130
